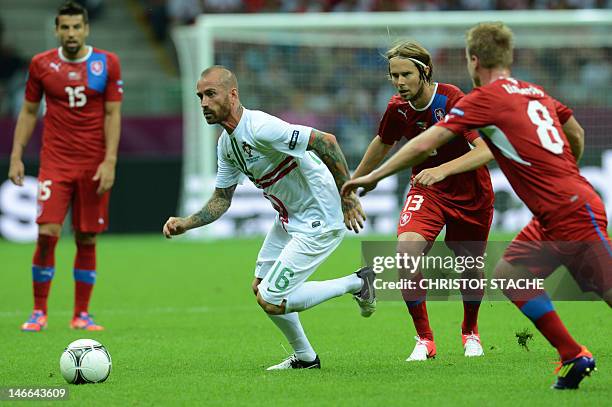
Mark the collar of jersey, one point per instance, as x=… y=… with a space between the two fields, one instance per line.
x=433 y=96
x=242 y=119
x=74 y=61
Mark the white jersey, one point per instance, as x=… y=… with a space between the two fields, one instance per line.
x=272 y=154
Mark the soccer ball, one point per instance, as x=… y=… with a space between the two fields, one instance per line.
x=85 y=361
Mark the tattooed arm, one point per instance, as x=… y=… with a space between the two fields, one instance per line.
x=328 y=150
x=216 y=206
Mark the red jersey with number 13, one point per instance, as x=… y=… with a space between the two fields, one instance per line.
x=470 y=190
x=523 y=127
x=75 y=93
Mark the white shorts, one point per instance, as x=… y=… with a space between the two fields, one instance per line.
x=286 y=261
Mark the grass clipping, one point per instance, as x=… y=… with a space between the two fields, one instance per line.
x=523 y=337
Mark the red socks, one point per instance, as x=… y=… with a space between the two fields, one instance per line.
x=84 y=276
x=43 y=270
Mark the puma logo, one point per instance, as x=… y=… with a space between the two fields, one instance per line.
x=54 y=66
x=403 y=113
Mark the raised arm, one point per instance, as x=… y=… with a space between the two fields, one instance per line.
x=575 y=136
x=477 y=157
x=328 y=150
x=376 y=152
x=23 y=132
x=216 y=206
x=412 y=153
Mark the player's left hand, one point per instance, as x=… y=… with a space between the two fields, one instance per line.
x=367 y=182
x=106 y=175
x=429 y=176
x=354 y=216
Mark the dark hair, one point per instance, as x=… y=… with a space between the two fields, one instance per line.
x=71 y=8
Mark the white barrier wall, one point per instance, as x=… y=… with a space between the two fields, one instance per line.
x=251 y=214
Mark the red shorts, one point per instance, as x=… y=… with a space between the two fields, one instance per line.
x=426 y=214
x=59 y=189
x=580 y=242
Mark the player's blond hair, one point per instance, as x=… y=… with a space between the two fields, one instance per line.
x=414 y=52
x=492 y=43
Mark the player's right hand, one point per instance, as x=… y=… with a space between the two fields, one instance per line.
x=174 y=226
x=16 y=172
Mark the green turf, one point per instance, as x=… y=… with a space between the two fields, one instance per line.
x=183 y=328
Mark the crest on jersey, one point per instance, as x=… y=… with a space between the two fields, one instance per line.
x=97 y=67
x=439 y=113
x=248 y=150
x=405 y=218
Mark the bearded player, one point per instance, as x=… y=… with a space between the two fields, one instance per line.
x=300 y=170
x=83 y=91
x=451 y=188
x=537 y=142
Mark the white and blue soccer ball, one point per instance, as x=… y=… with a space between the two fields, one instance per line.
x=85 y=361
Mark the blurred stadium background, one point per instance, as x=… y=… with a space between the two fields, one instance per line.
x=323 y=70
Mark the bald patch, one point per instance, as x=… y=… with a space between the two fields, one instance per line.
x=222 y=75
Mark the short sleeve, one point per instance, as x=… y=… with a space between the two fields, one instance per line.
x=389 y=129
x=114 y=84
x=471 y=136
x=471 y=112
x=34 y=88
x=227 y=172
x=276 y=134
x=454 y=98
x=563 y=112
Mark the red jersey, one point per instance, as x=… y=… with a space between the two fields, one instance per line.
x=471 y=190
x=75 y=93
x=523 y=127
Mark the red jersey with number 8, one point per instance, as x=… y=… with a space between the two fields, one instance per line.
x=522 y=126
x=75 y=92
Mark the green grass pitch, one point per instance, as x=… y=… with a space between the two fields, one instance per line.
x=183 y=328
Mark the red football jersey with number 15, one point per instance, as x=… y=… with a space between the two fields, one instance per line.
x=75 y=93
x=523 y=127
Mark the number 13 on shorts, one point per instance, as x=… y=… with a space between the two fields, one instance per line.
x=413 y=203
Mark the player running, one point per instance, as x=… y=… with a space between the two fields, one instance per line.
x=300 y=171
x=83 y=91
x=451 y=188
x=537 y=141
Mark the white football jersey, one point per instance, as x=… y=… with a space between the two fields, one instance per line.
x=272 y=154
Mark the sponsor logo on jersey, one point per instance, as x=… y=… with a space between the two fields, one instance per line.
x=422 y=125
x=403 y=113
x=74 y=76
x=54 y=66
x=97 y=67
x=457 y=112
x=405 y=218
x=439 y=114
x=294 y=139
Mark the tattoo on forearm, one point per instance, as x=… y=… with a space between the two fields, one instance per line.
x=216 y=206
x=329 y=152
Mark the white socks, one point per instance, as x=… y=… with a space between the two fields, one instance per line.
x=312 y=293
x=291 y=327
